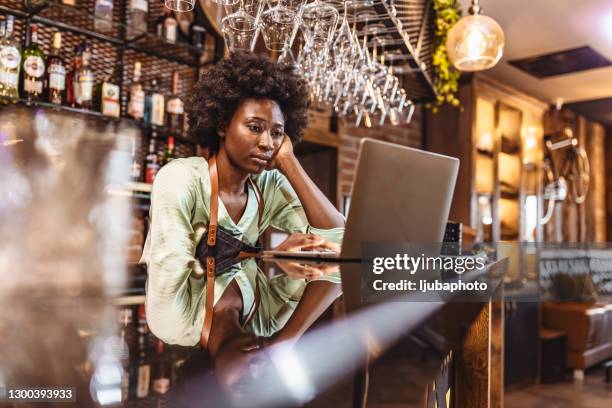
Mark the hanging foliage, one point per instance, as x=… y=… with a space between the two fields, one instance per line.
x=446 y=77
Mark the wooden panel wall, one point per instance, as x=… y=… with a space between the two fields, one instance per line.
x=449 y=132
x=608 y=178
x=596 y=202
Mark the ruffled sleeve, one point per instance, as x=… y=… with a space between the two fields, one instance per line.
x=174 y=308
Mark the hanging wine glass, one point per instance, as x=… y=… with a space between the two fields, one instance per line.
x=277 y=27
x=293 y=5
x=319 y=22
x=240 y=29
x=344 y=44
x=297 y=7
x=180 y=5
x=408 y=111
x=226 y=2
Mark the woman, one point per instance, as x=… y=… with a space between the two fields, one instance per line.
x=248 y=111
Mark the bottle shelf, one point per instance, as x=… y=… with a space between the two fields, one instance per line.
x=82 y=22
x=138 y=187
x=129 y=300
x=79 y=20
x=485 y=153
x=162 y=131
x=510 y=146
x=114 y=54
x=509 y=191
x=131 y=189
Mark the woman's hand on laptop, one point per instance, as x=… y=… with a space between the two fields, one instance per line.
x=299 y=270
x=307 y=242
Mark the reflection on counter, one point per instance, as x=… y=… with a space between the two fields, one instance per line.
x=151 y=368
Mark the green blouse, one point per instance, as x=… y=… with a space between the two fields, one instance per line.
x=175 y=288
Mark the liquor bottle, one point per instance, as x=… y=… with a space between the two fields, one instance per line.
x=143 y=327
x=151 y=162
x=136 y=168
x=154 y=106
x=198 y=36
x=72 y=84
x=170 y=27
x=32 y=5
x=56 y=72
x=136 y=104
x=159 y=25
x=103 y=12
x=144 y=368
x=33 y=66
x=10 y=59
x=161 y=377
x=169 y=154
x=125 y=321
x=125 y=318
x=175 y=107
x=108 y=98
x=186 y=123
x=138 y=16
x=85 y=79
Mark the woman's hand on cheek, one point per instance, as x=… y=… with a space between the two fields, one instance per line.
x=282 y=153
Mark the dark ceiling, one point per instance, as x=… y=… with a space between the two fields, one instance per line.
x=599 y=110
x=562 y=62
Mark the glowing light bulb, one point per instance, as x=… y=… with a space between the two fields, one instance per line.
x=475 y=43
x=530 y=143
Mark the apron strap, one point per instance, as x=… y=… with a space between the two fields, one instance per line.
x=210 y=260
x=214 y=201
x=212 y=240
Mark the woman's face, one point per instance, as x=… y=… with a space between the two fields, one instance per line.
x=255 y=132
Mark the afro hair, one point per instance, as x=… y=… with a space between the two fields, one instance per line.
x=214 y=99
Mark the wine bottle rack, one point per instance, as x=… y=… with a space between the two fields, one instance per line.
x=79 y=19
x=114 y=55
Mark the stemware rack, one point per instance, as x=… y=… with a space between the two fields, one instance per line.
x=408 y=31
x=408 y=42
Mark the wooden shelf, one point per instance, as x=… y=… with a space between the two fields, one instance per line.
x=486 y=153
x=509 y=146
x=131 y=189
x=162 y=131
x=139 y=187
x=509 y=195
x=508 y=192
x=128 y=300
x=80 y=21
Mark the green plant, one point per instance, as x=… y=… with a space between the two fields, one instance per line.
x=446 y=77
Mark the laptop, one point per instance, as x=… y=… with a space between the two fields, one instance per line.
x=399 y=194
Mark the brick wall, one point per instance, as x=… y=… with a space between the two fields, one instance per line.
x=409 y=135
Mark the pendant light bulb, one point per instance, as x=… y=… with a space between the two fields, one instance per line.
x=476 y=42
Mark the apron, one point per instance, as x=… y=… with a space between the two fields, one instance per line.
x=219 y=250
